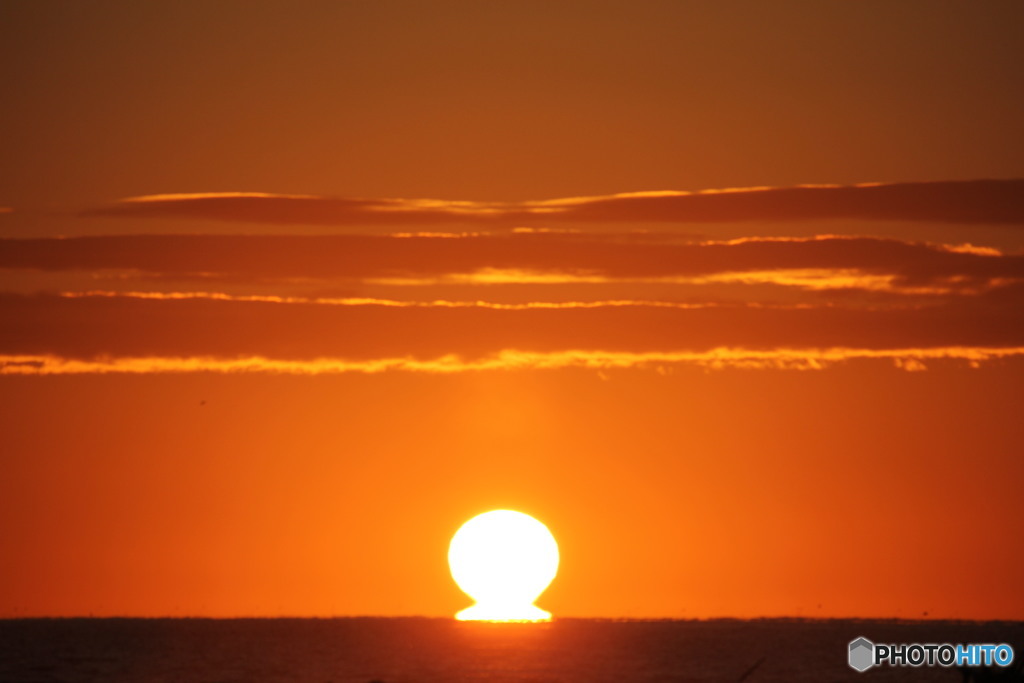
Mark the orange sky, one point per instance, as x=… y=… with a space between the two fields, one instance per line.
x=288 y=292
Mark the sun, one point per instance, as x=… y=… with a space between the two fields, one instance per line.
x=503 y=559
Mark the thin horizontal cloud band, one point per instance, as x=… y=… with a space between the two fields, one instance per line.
x=367 y=256
x=911 y=360
x=398 y=303
x=102 y=326
x=967 y=201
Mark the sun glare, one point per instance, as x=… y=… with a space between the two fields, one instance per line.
x=503 y=560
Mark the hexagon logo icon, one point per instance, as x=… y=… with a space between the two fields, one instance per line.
x=862 y=654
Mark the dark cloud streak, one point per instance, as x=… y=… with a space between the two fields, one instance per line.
x=97 y=327
x=365 y=256
x=968 y=201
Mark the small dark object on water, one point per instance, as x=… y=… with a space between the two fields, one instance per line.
x=746 y=674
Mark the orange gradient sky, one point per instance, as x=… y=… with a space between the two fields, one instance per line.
x=728 y=295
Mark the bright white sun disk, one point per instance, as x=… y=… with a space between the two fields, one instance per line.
x=503 y=559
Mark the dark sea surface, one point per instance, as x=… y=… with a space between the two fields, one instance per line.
x=419 y=649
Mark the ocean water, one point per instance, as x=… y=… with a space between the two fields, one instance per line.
x=398 y=650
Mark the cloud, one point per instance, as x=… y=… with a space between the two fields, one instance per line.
x=969 y=201
x=94 y=328
x=823 y=262
x=258 y=207
x=971 y=310
x=370 y=301
x=911 y=360
x=973 y=201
